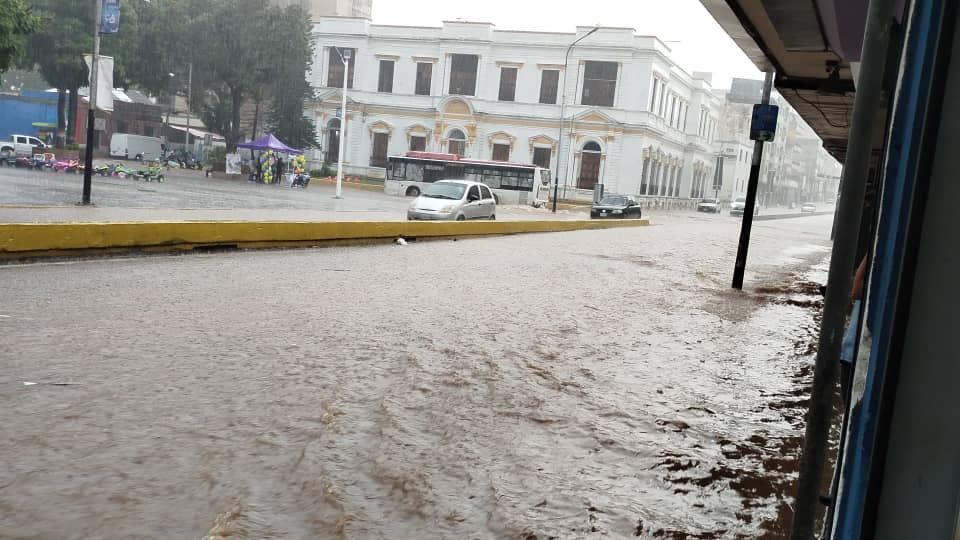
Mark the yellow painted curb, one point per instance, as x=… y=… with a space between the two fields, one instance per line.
x=28 y=240
x=348 y=185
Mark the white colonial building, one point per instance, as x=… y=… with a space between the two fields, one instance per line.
x=633 y=120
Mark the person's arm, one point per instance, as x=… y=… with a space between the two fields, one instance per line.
x=856 y=292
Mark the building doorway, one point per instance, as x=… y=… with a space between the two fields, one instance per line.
x=333 y=141
x=589 y=166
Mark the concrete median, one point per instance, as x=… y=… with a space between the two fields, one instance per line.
x=20 y=241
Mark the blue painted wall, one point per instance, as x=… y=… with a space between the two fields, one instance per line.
x=19 y=112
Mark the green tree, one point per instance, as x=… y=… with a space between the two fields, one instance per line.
x=289 y=88
x=56 y=51
x=235 y=39
x=17 y=21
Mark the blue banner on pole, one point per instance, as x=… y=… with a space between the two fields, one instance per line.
x=110 y=17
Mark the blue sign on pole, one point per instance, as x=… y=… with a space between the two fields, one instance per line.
x=763 y=126
x=110 y=17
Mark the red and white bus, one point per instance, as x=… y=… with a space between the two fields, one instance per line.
x=511 y=183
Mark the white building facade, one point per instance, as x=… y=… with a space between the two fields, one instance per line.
x=331 y=8
x=632 y=119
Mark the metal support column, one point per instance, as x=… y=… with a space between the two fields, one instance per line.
x=866 y=116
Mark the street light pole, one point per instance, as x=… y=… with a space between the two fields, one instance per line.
x=563 y=105
x=189 y=91
x=345 y=56
x=92 y=111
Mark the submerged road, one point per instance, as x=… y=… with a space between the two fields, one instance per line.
x=576 y=385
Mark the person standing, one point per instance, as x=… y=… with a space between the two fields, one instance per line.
x=279 y=174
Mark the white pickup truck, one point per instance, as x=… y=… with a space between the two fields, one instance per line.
x=20 y=145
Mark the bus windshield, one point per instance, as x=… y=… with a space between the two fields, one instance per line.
x=444 y=190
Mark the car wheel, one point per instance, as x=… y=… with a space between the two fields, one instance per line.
x=493 y=217
x=461 y=217
x=413 y=191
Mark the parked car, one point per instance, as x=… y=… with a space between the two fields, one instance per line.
x=20 y=145
x=808 y=208
x=457 y=200
x=737 y=206
x=711 y=206
x=615 y=206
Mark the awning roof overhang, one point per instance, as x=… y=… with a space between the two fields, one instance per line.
x=810 y=44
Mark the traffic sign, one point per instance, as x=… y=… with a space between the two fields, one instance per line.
x=763 y=126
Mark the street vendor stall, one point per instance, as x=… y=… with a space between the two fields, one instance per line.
x=269 y=148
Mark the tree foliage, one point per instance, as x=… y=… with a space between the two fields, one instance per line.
x=17 y=21
x=239 y=50
x=290 y=89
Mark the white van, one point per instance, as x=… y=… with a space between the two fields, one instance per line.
x=138 y=147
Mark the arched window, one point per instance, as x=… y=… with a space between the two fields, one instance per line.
x=333 y=141
x=457 y=143
x=591 y=147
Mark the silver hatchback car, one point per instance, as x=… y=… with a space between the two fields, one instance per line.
x=457 y=200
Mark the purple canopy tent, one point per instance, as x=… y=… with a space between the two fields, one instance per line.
x=269 y=142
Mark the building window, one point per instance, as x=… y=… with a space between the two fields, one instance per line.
x=508 y=84
x=599 y=83
x=549 y=81
x=424 y=78
x=463 y=74
x=653 y=94
x=335 y=67
x=418 y=143
x=378 y=157
x=501 y=152
x=457 y=143
x=122 y=126
x=673 y=109
x=148 y=131
x=541 y=157
x=385 y=84
x=662 y=112
x=644 y=175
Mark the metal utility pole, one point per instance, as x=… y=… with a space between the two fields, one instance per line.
x=563 y=105
x=751 y=202
x=345 y=56
x=189 y=91
x=91 y=112
x=877 y=49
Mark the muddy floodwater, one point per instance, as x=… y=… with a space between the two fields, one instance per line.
x=597 y=384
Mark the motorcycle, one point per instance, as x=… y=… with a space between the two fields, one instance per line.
x=301 y=181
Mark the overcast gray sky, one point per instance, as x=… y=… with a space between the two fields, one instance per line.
x=701 y=45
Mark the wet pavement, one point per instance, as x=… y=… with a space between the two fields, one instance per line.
x=29 y=196
x=595 y=384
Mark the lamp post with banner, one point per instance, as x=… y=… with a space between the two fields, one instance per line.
x=106 y=21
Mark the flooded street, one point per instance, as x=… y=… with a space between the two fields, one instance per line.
x=596 y=384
